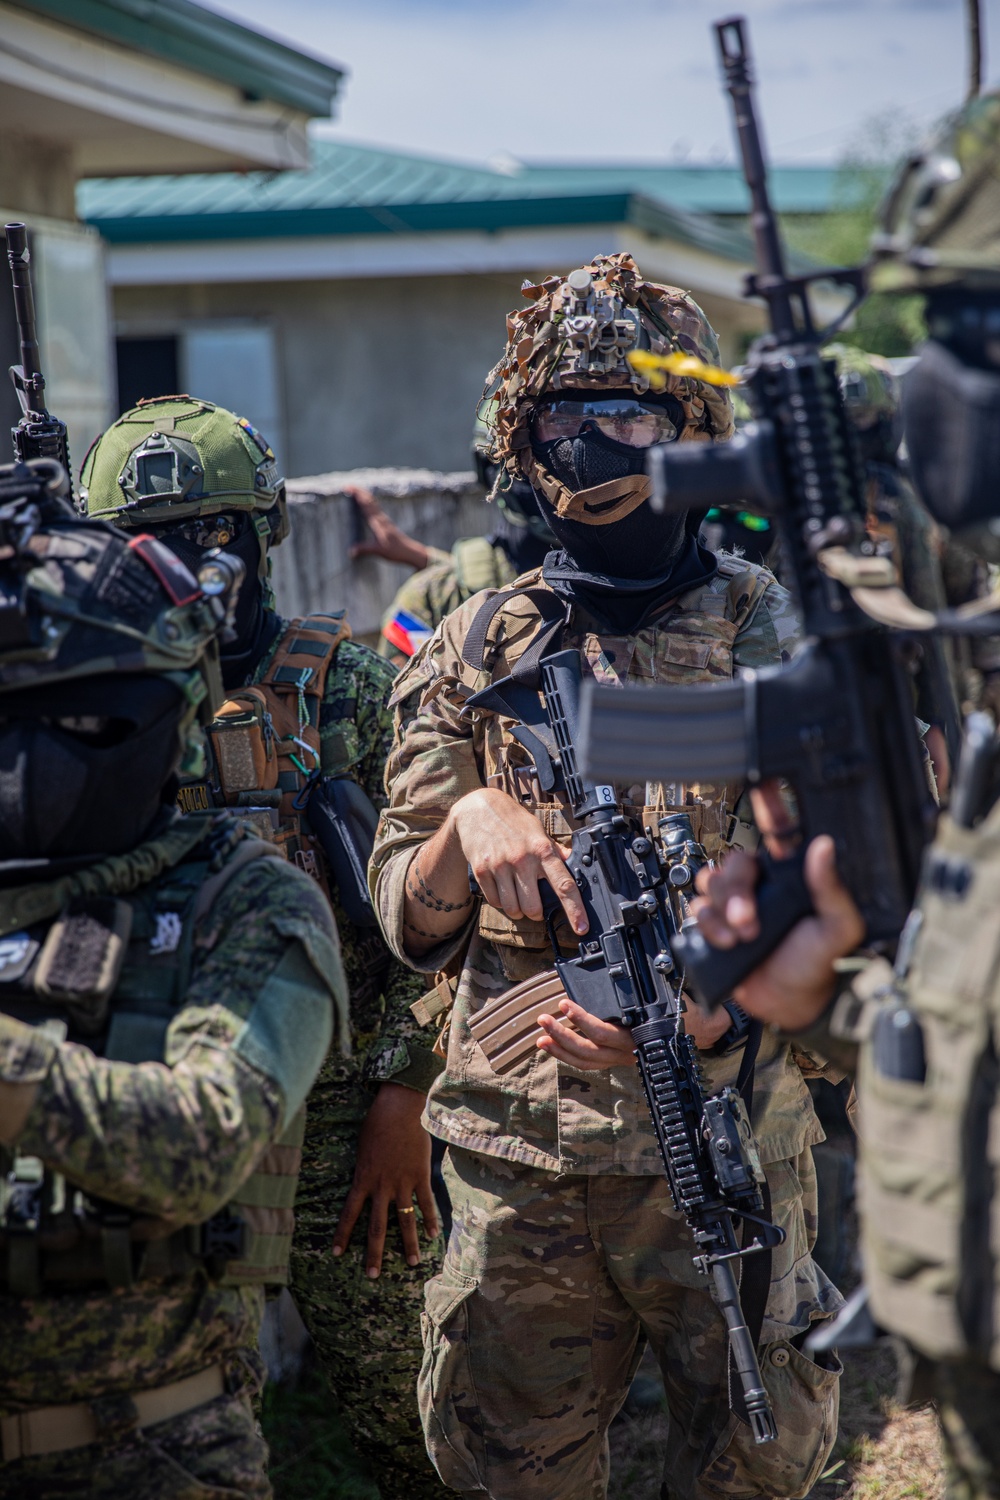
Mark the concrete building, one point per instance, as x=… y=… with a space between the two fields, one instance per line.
x=108 y=87
x=352 y=311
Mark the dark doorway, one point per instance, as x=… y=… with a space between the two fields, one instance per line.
x=146 y=367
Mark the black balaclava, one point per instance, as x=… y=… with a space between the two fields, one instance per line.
x=254 y=626
x=625 y=570
x=85 y=767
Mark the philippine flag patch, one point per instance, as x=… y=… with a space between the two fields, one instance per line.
x=406 y=632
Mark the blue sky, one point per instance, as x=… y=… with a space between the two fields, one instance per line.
x=625 y=79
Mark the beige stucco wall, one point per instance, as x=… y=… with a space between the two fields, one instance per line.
x=373 y=372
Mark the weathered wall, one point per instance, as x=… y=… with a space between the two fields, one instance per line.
x=313 y=570
x=372 y=372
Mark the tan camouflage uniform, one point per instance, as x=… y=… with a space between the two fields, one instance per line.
x=450 y=578
x=566 y=1246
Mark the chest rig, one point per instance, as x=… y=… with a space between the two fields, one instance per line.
x=110 y=972
x=692 y=642
x=265 y=743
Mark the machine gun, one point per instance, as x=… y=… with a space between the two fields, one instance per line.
x=838 y=722
x=624 y=972
x=38 y=434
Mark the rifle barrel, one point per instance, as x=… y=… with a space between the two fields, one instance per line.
x=735 y=54
x=19 y=258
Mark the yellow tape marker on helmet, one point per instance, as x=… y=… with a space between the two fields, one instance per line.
x=659 y=366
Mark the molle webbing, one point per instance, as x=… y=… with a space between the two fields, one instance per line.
x=295 y=684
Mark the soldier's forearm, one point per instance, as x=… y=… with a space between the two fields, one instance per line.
x=438 y=898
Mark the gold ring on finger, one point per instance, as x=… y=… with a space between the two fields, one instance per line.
x=406 y=1210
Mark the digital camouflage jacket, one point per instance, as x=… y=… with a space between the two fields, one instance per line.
x=169 y=1141
x=542 y=1113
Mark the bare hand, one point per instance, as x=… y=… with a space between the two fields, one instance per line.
x=393 y=1165
x=595 y=1045
x=509 y=853
x=792 y=987
x=388 y=539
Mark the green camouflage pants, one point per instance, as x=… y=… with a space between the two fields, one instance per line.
x=532 y=1334
x=212 y=1453
x=366 y=1333
x=968 y=1402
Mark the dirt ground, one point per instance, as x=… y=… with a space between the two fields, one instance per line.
x=882 y=1451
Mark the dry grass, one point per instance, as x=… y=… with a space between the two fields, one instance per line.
x=882 y=1451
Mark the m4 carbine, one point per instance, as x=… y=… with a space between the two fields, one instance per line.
x=38 y=434
x=623 y=972
x=837 y=722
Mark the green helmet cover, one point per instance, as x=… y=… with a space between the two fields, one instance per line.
x=176 y=457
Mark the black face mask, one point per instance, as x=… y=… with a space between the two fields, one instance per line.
x=251 y=622
x=84 y=765
x=644 y=544
x=951 y=412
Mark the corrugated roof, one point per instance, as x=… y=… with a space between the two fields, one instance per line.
x=344 y=175
x=206 y=42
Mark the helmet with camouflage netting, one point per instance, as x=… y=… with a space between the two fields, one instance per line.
x=940 y=223
x=576 y=333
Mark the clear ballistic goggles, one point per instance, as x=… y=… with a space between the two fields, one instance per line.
x=622 y=419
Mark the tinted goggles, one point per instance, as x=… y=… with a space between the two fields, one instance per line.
x=622 y=419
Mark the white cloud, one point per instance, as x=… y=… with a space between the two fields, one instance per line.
x=583 y=79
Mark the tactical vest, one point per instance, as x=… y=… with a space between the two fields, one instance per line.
x=930 y=1112
x=265 y=742
x=110 y=972
x=479 y=564
x=692 y=643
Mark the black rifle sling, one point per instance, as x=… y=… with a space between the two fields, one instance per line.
x=755 y=1270
x=553 y=612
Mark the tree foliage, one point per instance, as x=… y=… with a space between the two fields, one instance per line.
x=889 y=325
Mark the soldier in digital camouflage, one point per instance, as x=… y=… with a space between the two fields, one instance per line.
x=566 y=1253
x=167 y=990
x=305 y=715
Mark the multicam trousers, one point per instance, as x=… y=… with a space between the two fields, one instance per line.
x=968 y=1403
x=212 y=1453
x=366 y=1333
x=532 y=1333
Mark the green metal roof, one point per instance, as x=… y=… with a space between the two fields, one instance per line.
x=205 y=42
x=697 y=188
x=352 y=189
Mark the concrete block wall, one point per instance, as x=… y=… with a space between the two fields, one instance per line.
x=313 y=570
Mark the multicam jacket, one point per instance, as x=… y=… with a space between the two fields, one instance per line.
x=543 y=1113
x=248 y=972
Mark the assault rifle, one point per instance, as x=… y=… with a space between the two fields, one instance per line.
x=624 y=972
x=837 y=722
x=38 y=434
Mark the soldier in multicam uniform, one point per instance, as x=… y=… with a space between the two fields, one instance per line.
x=923 y=1034
x=166 y=993
x=306 y=708
x=566 y=1254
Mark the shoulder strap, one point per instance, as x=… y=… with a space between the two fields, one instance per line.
x=248 y=850
x=296 y=681
x=553 y=615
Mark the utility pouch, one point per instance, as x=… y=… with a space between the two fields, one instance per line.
x=82 y=957
x=507 y=1028
x=343 y=821
x=242 y=738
